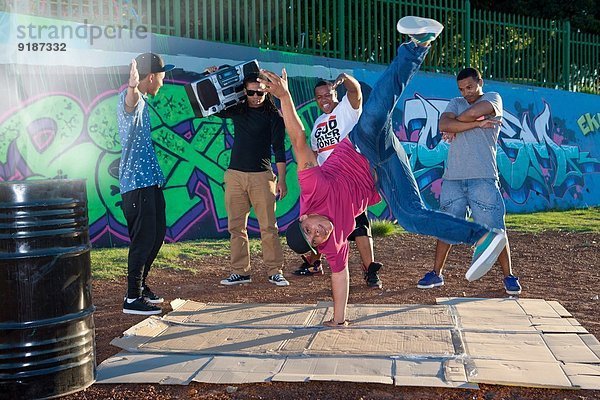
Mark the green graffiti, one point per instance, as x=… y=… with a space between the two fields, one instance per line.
x=46 y=133
x=104 y=133
x=102 y=125
x=205 y=149
x=589 y=123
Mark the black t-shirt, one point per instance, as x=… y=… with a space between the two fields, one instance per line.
x=256 y=130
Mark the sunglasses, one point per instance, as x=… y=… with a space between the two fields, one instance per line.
x=254 y=92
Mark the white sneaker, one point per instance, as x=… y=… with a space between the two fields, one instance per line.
x=279 y=280
x=485 y=254
x=421 y=30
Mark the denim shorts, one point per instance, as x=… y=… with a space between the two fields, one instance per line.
x=478 y=198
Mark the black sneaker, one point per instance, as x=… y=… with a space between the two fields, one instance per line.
x=372 y=277
x=235 y=279
x=141 y=307
x=308 y=269
x=150 y=297
x=279 y=280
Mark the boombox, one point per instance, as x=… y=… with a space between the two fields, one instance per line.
x=221 y=89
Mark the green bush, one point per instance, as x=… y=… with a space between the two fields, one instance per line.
x=383 y=228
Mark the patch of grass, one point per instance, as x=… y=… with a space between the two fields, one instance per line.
x=582 y=220
x=383 y=228
x=111 y=263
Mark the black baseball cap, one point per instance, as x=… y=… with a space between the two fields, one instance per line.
x=150 y=63
x=296 y=239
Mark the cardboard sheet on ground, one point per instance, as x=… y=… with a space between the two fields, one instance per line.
x=432 y=373
x=236 y=370
x=348 y=369
x=457 y=343
x=171 y=369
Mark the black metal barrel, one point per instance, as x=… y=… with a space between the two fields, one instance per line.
x=47 y=346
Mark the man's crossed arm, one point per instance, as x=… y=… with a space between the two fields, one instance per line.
x=473 y=117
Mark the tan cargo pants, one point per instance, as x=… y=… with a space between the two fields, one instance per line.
x=242 y=191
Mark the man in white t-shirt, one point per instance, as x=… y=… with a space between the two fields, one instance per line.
x=330 y=128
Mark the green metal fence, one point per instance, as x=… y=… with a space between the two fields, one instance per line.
x=504 y=47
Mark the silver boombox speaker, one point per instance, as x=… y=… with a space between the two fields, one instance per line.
x=221 y=89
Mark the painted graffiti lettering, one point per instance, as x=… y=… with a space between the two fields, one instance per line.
x=533 y=158
x=589 y=123
x=58 y=134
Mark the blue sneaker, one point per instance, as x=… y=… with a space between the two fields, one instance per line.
x=512 y=285
x=430 y=280
x=485 y=254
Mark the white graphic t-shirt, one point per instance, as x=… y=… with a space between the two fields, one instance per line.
x=330 y=129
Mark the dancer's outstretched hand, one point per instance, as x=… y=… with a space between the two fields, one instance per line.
x=339 y=80
x=134 y=75
x=275 y=84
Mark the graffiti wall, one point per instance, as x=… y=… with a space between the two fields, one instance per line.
x=61 y=122
x=548 y=156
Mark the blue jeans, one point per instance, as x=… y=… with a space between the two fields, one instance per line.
x=374 y=138
x=480 y=196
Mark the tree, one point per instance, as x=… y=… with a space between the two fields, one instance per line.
x=584 y=15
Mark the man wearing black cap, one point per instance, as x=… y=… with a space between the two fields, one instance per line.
x=141 y=181
x=369 y=162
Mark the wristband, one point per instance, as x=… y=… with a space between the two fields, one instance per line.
x=132 y=87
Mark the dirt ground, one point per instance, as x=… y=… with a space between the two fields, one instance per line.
x=551 y=266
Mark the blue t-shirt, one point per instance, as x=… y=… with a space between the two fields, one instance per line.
x=139 y=166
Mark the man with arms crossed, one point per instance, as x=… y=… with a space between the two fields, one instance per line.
x=471 y=175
